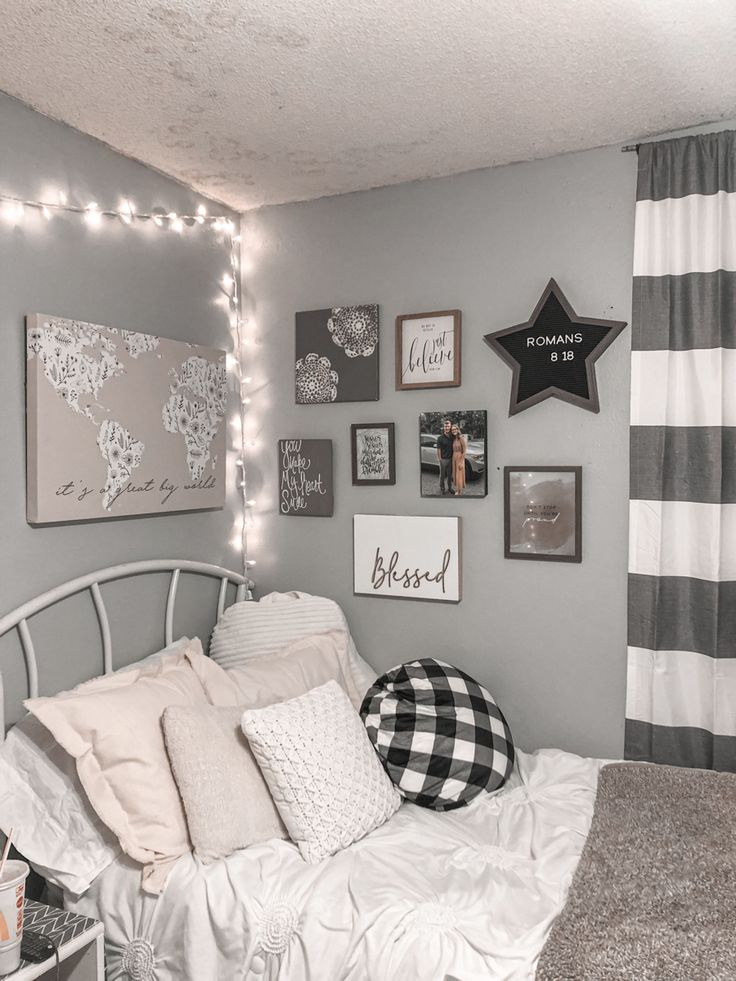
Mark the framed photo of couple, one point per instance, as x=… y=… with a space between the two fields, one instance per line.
x=452 y=454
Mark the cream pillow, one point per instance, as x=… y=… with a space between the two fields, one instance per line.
x=225 y=797
x=112 y=727
x=253 y=629
x=296 y=669
x=322 y=771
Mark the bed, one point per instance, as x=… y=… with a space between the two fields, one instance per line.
x=463 y=895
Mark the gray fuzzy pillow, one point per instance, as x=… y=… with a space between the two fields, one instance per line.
x=226 y=800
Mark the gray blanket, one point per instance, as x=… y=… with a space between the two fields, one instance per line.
x=654 y=895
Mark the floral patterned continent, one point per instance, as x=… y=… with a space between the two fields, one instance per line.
x=355 y=329
x=122 y=453
x=77 y=359
x=316 y=381
x=195 y=409
x=137 y=343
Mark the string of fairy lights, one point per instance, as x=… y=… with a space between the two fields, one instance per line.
x=14 y=210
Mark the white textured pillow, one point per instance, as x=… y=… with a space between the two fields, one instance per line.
x=225 y=797
x=254 y=629
x=323 y=774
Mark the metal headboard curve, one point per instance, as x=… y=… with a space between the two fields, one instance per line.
x=18 y=618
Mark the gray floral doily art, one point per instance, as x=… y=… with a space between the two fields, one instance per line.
x=355 y=329
x=316 y=380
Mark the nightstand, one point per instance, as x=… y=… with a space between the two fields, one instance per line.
x=80 y=941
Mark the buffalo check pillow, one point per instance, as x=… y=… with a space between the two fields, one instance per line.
x=439 y=734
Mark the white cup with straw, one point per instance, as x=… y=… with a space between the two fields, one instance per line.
x=12 y=893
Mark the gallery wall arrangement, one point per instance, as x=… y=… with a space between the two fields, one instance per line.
x=552 y=355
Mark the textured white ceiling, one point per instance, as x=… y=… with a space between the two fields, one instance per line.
x=263 y=101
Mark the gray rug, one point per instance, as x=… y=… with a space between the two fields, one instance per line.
x=654 y=895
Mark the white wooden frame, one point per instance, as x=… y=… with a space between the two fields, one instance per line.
x=18 y=618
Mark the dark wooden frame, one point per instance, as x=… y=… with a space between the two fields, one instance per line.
x=508 y=554
x=592 y=403
x=390 y=426
x=457 y=350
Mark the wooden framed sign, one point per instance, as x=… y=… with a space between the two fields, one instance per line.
x=305 y=477
x=543 y=513
x=428 y=350
x=407 y=557
x=372 y=452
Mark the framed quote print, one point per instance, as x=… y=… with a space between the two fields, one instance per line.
x=372 y=452
x=428 y=350
x=305 y=477
x=543 y=513
x=407 y=557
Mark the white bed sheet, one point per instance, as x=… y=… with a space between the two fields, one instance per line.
x=466 y=895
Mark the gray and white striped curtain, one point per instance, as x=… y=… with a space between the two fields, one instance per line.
x=681 y=692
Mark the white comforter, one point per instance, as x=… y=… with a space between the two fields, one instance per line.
x=465 y=895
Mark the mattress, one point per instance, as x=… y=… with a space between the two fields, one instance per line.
x=465 y=895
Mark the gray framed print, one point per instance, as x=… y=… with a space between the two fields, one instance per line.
x=337 y=355
x=120 y=423
x=305 y=478
x=428 y=350
x=407 y=557
x=372 y=453
x=543 y=513
x=452 y=453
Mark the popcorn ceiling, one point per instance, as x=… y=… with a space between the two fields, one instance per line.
x=265 y=102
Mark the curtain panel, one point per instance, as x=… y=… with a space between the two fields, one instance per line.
x=681 y=687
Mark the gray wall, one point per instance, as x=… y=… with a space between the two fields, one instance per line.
x=549 y=639
x=138 y=278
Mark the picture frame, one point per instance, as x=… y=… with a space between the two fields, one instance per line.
x=336 y=355
x=543 y=513
x=373 y=454
x=466 y=478
x=306 y=488
x=414 y=557
x=428 y=350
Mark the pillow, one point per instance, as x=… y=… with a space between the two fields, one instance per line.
x=253 y=629
x=225 y=797
x=439 y=734
x=324 y=777
x=41 y=797
x=112 y=727
x=306 y=664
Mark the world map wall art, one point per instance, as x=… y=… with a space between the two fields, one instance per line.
x=120 y=423
x=337 y=355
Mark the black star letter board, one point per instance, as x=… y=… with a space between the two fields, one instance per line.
x=553 y=354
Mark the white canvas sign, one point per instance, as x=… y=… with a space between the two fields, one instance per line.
x=407 y=557
x=120 y=422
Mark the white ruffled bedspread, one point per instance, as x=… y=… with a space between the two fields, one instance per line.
x=466 y=895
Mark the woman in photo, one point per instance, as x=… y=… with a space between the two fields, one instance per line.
x=459 y=446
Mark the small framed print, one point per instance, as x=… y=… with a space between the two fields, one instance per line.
x=305 y=477
x=372 y=450
x=428 y=350
x=543 y=513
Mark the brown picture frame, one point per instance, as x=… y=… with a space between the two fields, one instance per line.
x=577 y=555
x=373 y=482
x=401 y=321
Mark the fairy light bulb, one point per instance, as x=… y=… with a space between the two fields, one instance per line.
x=92 y=214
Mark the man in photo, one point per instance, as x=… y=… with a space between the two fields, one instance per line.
x=444 y=456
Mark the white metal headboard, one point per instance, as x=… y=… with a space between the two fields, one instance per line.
x=18 y=619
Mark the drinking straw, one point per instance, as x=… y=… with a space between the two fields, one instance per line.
x=6 y=850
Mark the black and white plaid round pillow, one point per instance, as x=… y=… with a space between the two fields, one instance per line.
x=440 y=735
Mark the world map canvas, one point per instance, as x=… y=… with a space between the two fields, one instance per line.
x=120 y=423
